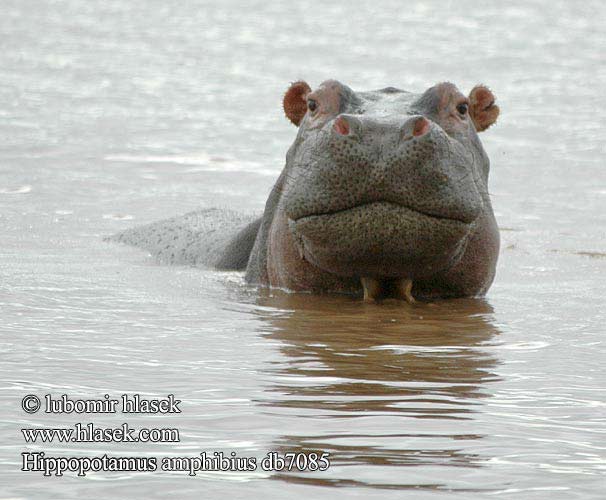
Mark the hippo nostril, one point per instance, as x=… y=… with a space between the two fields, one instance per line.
x=421 y=127
x=347 y=126
x=415 y=127
x=341 y=126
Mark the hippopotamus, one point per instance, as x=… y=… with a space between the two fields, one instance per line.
x=383 y=195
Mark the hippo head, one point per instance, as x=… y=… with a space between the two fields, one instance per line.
x=384 y=189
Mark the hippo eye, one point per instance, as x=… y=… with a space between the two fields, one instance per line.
x=462 y=108
x=312 y=105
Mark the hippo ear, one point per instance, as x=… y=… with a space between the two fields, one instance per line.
x=482 y=109
x=295 y=104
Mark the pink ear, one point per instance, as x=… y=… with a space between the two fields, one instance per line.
x=482 y=109
x=294 y=103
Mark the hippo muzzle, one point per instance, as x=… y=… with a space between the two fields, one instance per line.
x=382 y=197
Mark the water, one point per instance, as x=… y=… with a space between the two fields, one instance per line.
x=116 y=113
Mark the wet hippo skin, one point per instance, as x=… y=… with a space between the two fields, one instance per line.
x=384 y=194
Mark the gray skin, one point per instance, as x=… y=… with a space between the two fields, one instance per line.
x=382 y=190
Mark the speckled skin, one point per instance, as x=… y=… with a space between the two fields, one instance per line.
x=379 y=201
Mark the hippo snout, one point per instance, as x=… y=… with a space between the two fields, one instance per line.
x=353 y=128
x=380 y=194
x=406 y=161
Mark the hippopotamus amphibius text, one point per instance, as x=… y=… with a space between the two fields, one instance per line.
x=384 y=194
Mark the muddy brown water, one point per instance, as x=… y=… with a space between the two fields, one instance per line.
x=119 y=113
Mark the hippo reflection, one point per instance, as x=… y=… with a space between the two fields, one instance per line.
x=384 y=194
x=409 y=371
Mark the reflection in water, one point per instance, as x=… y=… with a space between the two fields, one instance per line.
x=365 y=376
